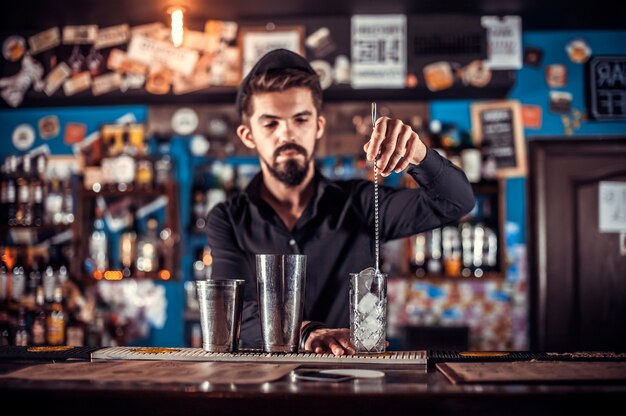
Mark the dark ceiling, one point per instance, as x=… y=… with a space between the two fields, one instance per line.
x=29 y=15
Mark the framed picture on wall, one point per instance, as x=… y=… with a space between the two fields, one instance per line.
x=254 y=42
x=497 y=129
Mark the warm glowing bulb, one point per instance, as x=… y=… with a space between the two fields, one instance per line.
x=177 y=27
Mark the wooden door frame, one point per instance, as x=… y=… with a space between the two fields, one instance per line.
x=539 y=148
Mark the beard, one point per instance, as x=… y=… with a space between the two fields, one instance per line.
x=290 y=172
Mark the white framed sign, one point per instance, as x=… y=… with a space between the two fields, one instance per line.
x=256 y=42
x=612 y=206
x=504 y=37
x=378 y=51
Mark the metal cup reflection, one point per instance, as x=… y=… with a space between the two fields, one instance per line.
x=281 y=281
x=220 y=302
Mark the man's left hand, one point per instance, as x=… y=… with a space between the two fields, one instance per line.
x=336 y=341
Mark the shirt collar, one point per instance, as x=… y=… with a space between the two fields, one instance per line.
x=253 y=192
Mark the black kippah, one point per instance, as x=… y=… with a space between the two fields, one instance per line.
x=275 y=59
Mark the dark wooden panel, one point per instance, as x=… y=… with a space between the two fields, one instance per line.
x=577 y=285
x=600 y=270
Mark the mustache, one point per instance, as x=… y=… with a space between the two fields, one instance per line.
x=290 y=146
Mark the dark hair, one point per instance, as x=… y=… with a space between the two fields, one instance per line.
x=277 y=81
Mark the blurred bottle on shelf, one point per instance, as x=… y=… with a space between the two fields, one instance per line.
x=5 y=328
x=22 y=337
x=37 y=191
x=145 y=175
x=467 y=233
x=471 y=161
x=67 y=216
x=96 y=329
x=39 y=320
x=75 y=331
x=147 y=248
x=56 y=320
x=107 y=164
x=24 y=214
x=34 y=281
x=97 y=261
x=467 y=250
x=4 y=284
x=49 y=281
x=128 y=244
x=418 y=250
x=451 y=245
x=163 y=165
x=434 y=265
x=10 y=184
x=53 y=205
x=125 y=164
x=18 y=280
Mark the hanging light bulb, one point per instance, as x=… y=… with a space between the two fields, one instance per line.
x=176 y=14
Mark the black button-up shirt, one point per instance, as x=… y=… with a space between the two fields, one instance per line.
x=335 y=231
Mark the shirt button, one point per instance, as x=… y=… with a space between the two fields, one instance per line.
x=292 y=242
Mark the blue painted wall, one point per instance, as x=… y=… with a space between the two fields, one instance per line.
x=531 y=88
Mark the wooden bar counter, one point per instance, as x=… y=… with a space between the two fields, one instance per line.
x=401 y=391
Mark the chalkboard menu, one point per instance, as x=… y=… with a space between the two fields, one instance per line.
x=496 y=127
x=606 y=87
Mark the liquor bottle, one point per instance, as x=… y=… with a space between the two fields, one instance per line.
x=434 y=265
x=49 y=281
x=23 y=194
x=478 y=252
x=5 y=328
x=18 y=281
x=125 y=168
x=21 y=331
x=128 y=245
x=491 y=247
x=95 y=331
x=467 y=249
x=417 y=261
x=145 y=175
x=34 y=281
x=56 y=320
x=4 y=284
x=199 y=209
x=63 y=280
x=54 y=203
x=11 y=197
x=147 y=248
x=75 y=330
x=39 y=320
x=98 y=260
x=451 y=244
x=67 y=203
x=36 y=186
x=107 y=165
x=163 y=170
x=4 y=176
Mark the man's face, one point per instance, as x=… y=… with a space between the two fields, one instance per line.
x=284 y=128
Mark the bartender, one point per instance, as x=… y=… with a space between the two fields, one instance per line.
x=290 y=207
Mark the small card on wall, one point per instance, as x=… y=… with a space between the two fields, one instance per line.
x=531 y=116
x=74 y=133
